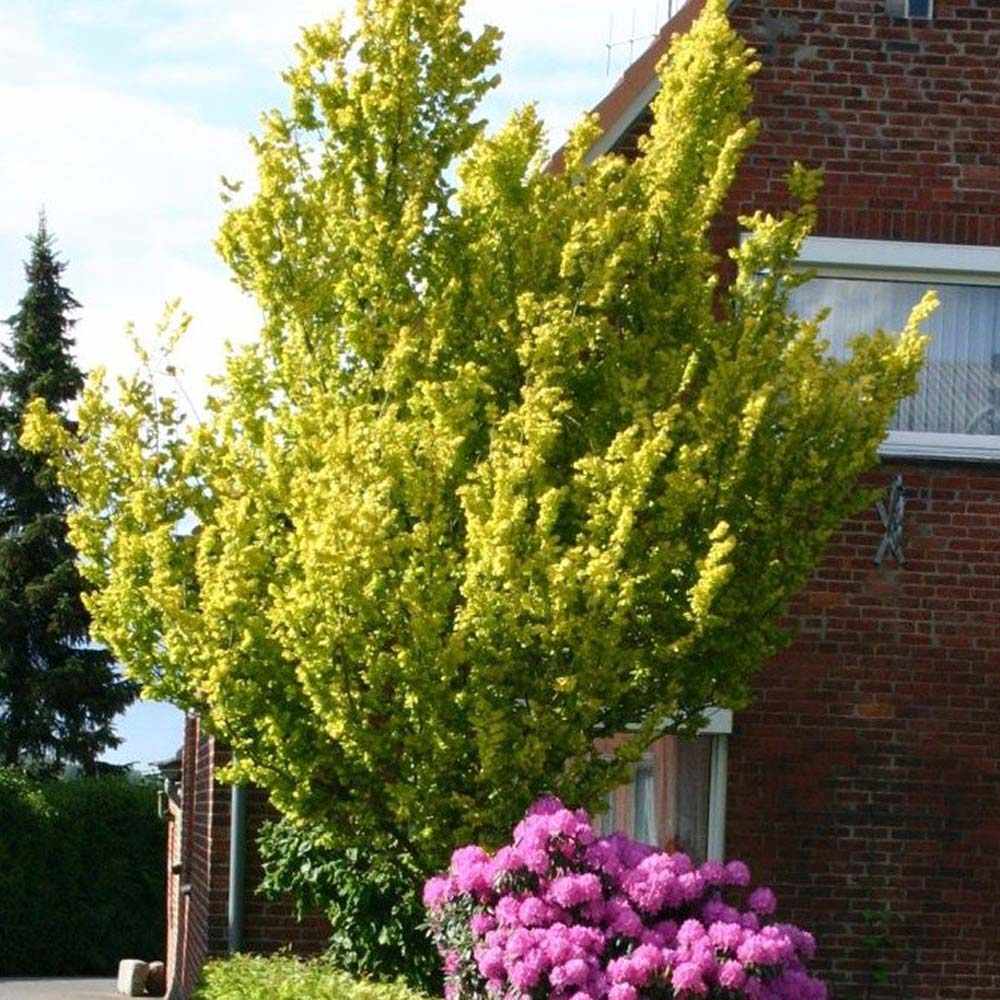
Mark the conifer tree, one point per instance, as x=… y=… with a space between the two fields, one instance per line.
x=58 y=694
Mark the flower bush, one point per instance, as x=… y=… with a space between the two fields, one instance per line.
x=563 y=914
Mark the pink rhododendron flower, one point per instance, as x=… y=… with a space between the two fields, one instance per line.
x=690 y=931
x=732 y=975
x=623 y=991
x=437 y=891
x=737 y=874
x=482 y=923
x=562 y=914
x=534 y=912
x=471 y=870
x=726 y=936
x=688 y=978
x=490 y=962
x=713 y=872
x=573 y=890
x=763 y=901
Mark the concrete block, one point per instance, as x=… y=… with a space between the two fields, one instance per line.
x=132 y=975
x=156 y=981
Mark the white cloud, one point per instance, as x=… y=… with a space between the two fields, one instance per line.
x=260 y=29
x=184 y=73
x=128 y=168
x=130 y=186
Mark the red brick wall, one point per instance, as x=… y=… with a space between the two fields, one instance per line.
x=867 y=775
x=198 y=894
x=192 y=924
x=904 y=116
x=271 y=925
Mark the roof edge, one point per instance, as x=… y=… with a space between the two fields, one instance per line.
x=636 y=87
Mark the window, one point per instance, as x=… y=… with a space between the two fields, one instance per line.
x=922 y=9
x=676 y=798
x=869 y=284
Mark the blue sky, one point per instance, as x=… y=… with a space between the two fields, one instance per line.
x=120 y=116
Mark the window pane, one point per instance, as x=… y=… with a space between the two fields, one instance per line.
x=960 y=385
x=666 y=802
x=644 y=799
x=694 y=769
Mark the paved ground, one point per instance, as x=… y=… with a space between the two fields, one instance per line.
x=57 y=989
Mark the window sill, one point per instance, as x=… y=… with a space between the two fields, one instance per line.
x=942 y=447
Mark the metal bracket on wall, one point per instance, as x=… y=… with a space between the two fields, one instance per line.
x=891 y=514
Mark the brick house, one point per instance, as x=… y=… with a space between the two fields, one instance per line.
x=202 y=921
x=864 y=783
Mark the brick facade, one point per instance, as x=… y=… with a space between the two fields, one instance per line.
x=198 y=874
x=903 y=116
x=866 y=778
x=865 y=782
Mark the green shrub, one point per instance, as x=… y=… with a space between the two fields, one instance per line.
x=371 y=899
x=284 y=978
x=81 y=874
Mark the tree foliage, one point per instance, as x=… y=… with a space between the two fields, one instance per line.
x=370 y=898
x=508 y=470
x=58 y=695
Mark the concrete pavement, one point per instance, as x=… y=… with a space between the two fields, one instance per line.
x=57 y=989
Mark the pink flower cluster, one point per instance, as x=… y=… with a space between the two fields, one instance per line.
x=562 y=914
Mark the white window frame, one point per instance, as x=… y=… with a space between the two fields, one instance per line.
x=930 y=263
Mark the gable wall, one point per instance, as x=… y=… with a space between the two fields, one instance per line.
x=904 y=117
x=866 y=778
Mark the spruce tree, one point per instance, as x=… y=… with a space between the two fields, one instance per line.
x=58 y=694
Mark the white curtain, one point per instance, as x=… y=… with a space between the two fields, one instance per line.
x=960 y=384
x=644 y=793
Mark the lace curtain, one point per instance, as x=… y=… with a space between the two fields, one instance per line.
x=960 y=385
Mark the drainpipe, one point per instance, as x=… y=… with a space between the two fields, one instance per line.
x=237 y=865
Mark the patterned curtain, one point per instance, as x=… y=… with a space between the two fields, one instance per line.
x=960 y=385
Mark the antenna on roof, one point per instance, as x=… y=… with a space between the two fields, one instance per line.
x=613 y=44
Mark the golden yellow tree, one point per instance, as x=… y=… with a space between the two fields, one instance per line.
x=507 y=471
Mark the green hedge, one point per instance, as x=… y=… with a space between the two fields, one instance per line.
x=81 y=875
x=285 y=978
